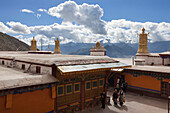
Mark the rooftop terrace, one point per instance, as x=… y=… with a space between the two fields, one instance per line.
x=12 y=78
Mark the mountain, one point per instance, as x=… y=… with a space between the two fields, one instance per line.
x=158 y=47
x=122 y=50
x=9 y=43
x=71 y=47
x=117 y=50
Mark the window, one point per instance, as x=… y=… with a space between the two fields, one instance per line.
x=76 y=87
x=60 y=90
x=94 y=84
x=164 y=88
x=101 y=82
x=68 y=88
x=3 y=62
x=38 y=69
x=23 y=66
x=88 y=85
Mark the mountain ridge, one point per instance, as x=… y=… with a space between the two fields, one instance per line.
x=122 y=50
x=9 y=43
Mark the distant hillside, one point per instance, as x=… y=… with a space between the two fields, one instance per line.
x=156 y=47
x=116 y=50
x=9 y=43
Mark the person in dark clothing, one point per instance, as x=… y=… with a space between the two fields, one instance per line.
x=125 y=84
x=103 y=96
x=115 y=96
x=121 y=97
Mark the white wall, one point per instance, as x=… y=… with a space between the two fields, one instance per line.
x=18 y=65
x=97 y=53
x=151 y=59
x=155 y=60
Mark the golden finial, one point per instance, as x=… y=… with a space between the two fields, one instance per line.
x=57 y=46
x=143 y=30
x=33 y=38
x=93 y=47
x=102 y=47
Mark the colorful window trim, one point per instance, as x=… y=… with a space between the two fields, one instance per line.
x=94 y=84
x=9 y=101
x=165 y=88
x=101 y=82
x=60 y=90
x=88 y=85
x=68 y=88
x=76 y=87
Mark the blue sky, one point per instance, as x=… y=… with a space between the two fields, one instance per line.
x=134 y=10
x=131 y=11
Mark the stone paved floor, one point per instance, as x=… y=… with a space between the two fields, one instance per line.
x=134 y=104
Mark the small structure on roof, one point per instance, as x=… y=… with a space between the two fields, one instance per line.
x=150 y=58
x=57 y=47
x=33 y=45
x=98 y=50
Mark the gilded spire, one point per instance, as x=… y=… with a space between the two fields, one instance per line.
x=57 y=47
x=33 y=44
x=33 y=39
x=143 y=30
x=143 y=42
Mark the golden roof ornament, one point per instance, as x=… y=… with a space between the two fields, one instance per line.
x=33 y=39
x=93 y=47
x=143 y=42
x=98 y=45
x=57 y=46
x=143 y=30
x=33 y=45
x=102 y=47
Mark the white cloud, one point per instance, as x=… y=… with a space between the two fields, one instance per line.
x=117 y=31
x=19 y=28
x=87 y=15
x=42 y=10
x=26 y=11
x=89 y=27
x=5 y=29
x=38 y=16
x=127 y=30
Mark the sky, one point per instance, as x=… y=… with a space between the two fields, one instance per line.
x=87 y=21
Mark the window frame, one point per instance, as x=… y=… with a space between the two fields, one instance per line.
x=23 y=67
x=99 y=82
x=57 y=90
x=86 y=85
x=92 y=84
x=71 y=89
x=75 y=88
x=164 y=90
x=3 y=62
x=38 y=69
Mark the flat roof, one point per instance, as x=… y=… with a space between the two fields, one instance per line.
x=12 y=78
x=75 y=68
x=165 y=53
x=58 y=59
x=162 y=69
x=124 y=60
